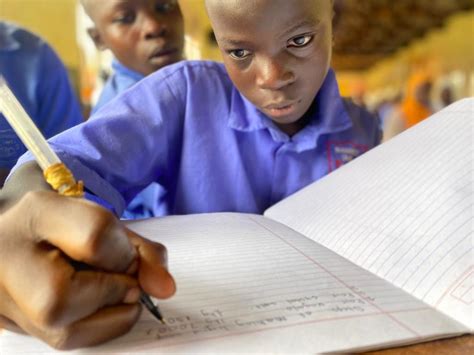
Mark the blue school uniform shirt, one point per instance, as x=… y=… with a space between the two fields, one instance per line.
x=120 y=80
x=40 y=81
x=151 y=201
x=188 y=128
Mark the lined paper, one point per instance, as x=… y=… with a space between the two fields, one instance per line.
x=249 y=284
x=403 y=211
x=250 y=276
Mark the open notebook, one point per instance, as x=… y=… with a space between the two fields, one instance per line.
x=379 y=253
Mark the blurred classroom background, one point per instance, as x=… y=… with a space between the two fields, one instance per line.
x=382 y=48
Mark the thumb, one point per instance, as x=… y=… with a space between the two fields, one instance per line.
x=153 y=276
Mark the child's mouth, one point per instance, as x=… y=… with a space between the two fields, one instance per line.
x=281 y=110
x=163 y=55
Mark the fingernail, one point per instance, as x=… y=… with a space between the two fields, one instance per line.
x=132 y=295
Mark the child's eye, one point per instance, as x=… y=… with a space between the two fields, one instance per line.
x=300 y=41
x=165 y=7
x=125 y=18
x=239 y=53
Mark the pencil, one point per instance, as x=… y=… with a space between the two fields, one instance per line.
x=55 y=172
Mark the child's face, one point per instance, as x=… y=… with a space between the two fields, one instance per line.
x=144 y=35
x=277 y=52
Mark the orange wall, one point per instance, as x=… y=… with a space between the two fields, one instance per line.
x=54 y=20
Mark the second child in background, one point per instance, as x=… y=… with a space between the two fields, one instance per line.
x=143 y=36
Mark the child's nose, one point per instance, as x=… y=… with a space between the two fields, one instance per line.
x=152 y=27
x=273 y=75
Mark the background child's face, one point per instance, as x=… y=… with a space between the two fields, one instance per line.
x=277 y=52
x=143 y=35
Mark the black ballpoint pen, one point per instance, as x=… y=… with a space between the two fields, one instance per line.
x=148 y=303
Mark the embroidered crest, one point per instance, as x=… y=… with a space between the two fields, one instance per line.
x=340 y=153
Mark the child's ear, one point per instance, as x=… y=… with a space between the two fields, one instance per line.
x=95 y=36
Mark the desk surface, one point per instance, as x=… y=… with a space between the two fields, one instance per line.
x=459 y=345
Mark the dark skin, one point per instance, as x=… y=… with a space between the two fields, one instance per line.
x=277 y=53
x=144 y=35
x=286 y=47
x=44 y=238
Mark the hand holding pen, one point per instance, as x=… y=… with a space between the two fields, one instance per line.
x=41 y=292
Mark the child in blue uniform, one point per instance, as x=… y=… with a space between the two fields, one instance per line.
x=40 y=81
x=234 y=137
x=143 y=36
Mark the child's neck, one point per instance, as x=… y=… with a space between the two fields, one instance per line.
x=293 y=128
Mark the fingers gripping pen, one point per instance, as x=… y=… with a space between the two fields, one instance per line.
x=55 y=172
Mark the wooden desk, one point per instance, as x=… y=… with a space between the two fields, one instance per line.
x=452 y=346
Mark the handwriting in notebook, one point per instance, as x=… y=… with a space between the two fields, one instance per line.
x=289 y=282
x=258 y=316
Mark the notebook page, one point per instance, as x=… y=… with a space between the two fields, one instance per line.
x=404 y=211
x=247 y=284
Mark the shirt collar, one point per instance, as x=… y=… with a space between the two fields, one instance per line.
x=329 y=116
x=7 y=40
x=122 y=69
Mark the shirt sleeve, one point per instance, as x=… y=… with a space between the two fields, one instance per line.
x=130 y=143
x=58 y=106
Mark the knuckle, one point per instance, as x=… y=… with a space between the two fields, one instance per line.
x=105 y=241
x=32 y=198
x=101 y=221
x=51 y=303
x=30 y=204
x=29 y=200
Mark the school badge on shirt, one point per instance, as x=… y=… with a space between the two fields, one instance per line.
x=340 y=153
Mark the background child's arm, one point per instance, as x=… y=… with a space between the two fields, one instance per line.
x=43 y=292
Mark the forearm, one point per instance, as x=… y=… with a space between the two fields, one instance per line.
x=27 y=177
